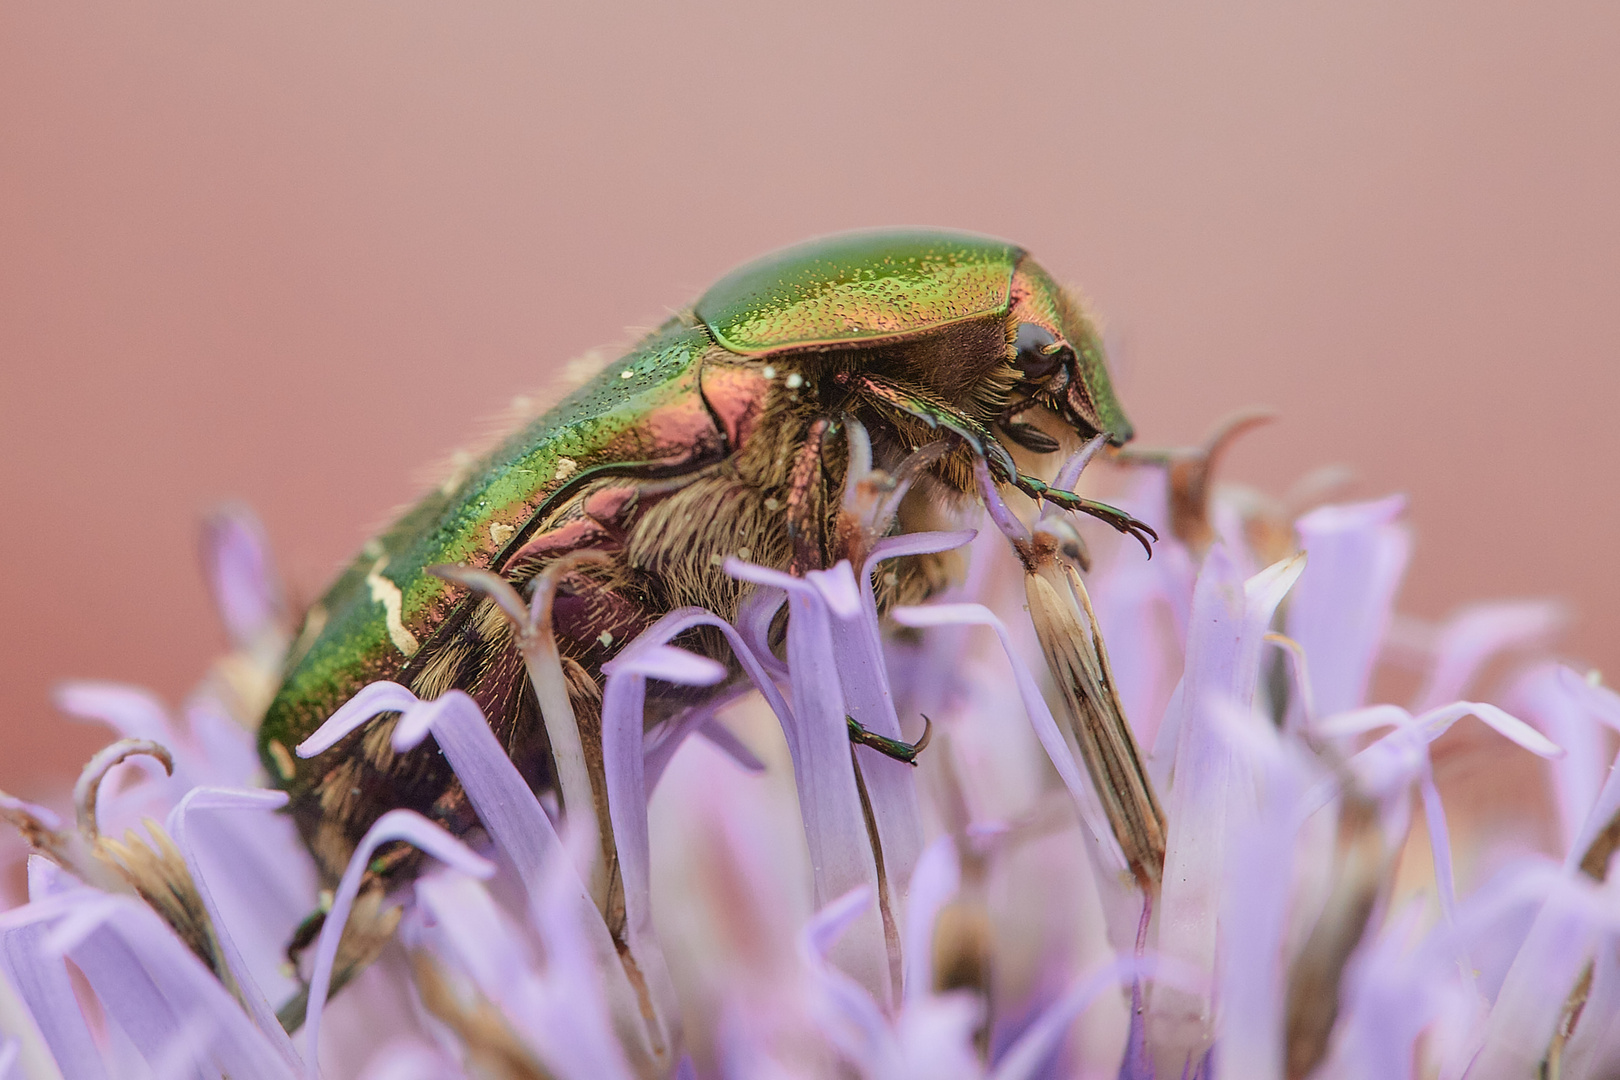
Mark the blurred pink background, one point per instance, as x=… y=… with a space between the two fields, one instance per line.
x=291 y=253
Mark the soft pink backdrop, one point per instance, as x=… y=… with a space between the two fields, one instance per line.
x=291 y=252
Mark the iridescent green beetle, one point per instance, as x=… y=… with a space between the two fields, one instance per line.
x=704 y=441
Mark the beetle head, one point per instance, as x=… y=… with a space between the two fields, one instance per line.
x=1059 y=357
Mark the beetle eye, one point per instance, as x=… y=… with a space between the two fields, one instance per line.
x=1039 y=352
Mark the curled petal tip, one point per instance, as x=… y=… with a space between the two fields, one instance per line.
x=670 y=664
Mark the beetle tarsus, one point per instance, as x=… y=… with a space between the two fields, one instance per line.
x=891 y=748
x=1111 y=516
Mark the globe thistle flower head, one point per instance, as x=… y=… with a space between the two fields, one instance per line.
x=1082 y=814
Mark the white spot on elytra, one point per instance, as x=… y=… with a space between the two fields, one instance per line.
x=769 y=372
x=793 y=381
x=566 y=467
x=501 y=532
x=627 y=373
x=606 y=638
x=285 y=766
x=386 y=593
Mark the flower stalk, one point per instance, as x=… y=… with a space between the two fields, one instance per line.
x=1095 y=727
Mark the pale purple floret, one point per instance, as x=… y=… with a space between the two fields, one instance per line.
x=1143 y=606
x=395 y=825
x=1040 y=718
x=841 y=855
x=175 y=1013
x=239 y=570
x=1389 y=766
x=1355 y=556
x=1564 y=706
x=1213 y=786
x=730 y=963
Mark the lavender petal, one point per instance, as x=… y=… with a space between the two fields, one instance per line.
x=247 y=591
x=163 y=998
x=42 y=983
x=936 y=880
x=371 y=700
x=1532 y=997
x=1027 y=1058
x=132 y=712
x=404 y=825
x=1545 y=695
x=1212 y=788
x=1040 y=718
x=1341 y=609
x=179 y=829
x=1470 y=639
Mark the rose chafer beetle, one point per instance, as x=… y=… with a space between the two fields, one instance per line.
x=704 y=441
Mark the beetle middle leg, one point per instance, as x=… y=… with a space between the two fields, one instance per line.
x=370 y=926
x=907 y=401
x=804 y=498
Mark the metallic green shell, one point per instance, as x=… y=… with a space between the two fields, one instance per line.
x=384 y=606
x=644 y=410
x=858 y=286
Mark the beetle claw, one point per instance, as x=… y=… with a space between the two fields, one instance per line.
x=891 y=748
x=1111 y=516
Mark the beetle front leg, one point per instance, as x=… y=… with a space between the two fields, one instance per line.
x=1003 y=469
x=1112 y=516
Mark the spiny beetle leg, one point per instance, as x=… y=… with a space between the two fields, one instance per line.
x=1109 y=515
x=942 y=417
x=894 y=748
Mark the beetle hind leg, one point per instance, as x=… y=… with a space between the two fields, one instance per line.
x=370 y=927
x=890 y=748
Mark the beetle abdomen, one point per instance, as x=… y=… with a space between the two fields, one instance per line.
x=382 y=616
